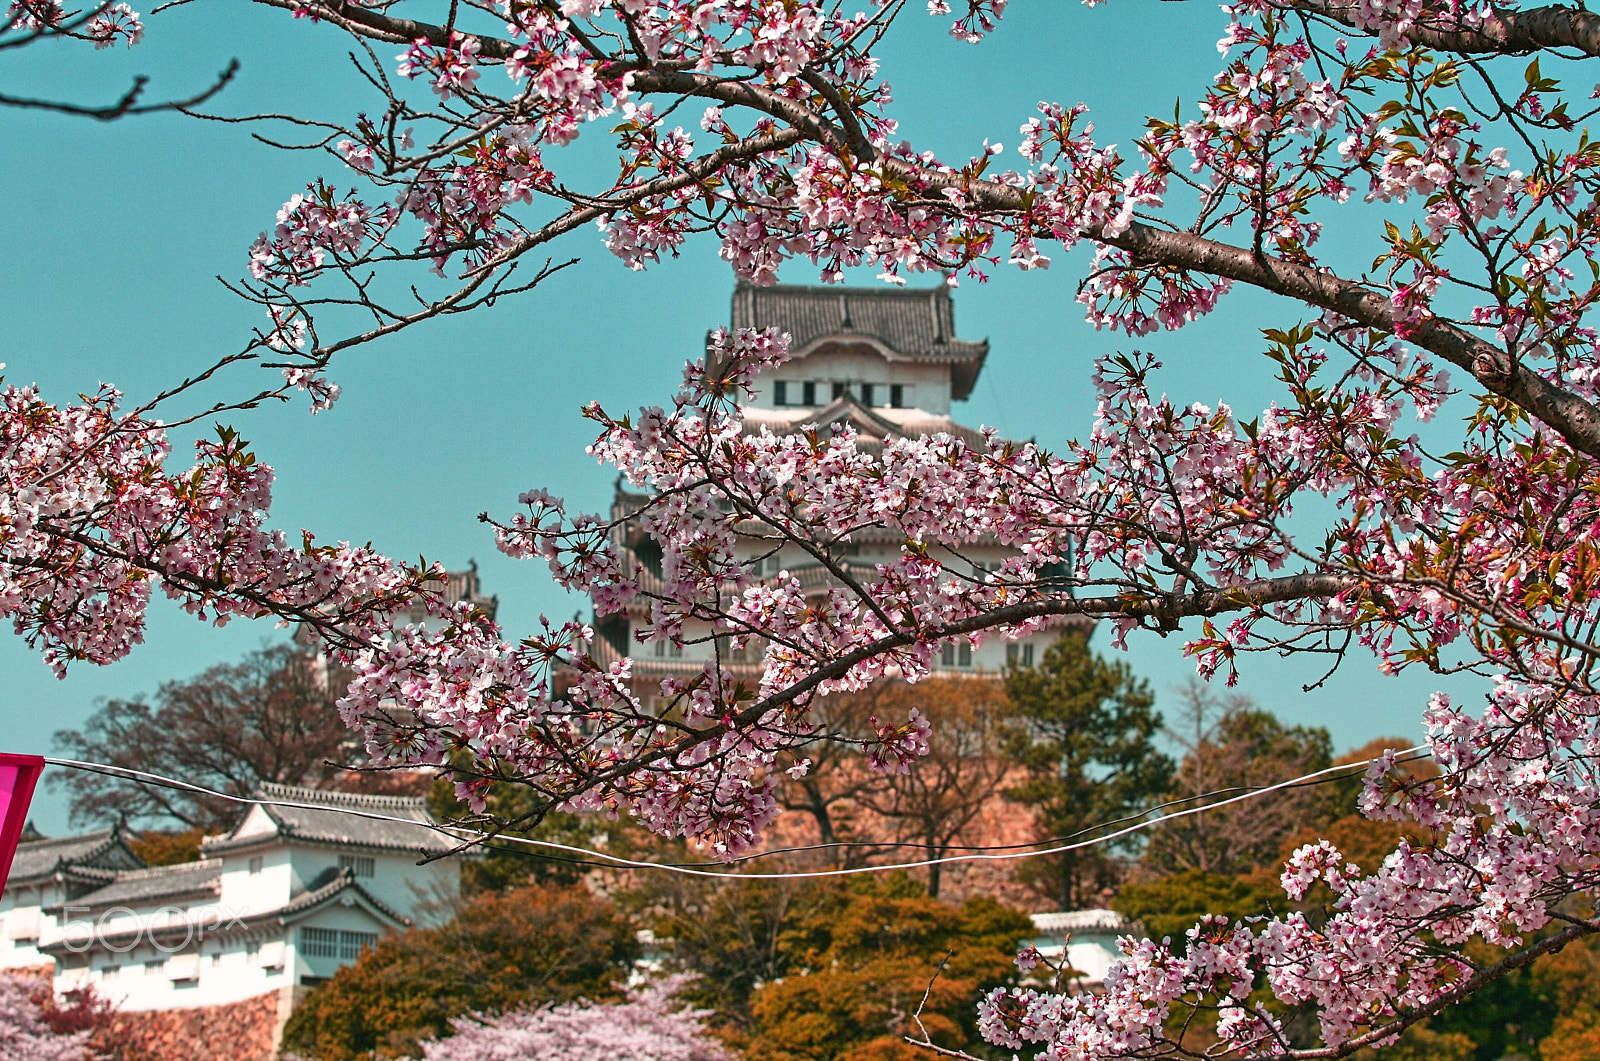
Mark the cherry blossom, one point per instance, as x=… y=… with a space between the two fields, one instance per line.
x=649 y=1026
x=25 y=1035
x=1327 y=520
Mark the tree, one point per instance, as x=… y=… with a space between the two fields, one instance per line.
x=25 y=1035
x=930 y=809
x=861 y=966
x=1236 y=747
x=830 y=788
x=525 y=947
x=645 y=1027
x=1169 y=906
x=731 y=936
x=271 y=717
x=1327 y=523
x=1084 y=731
x=940 y=802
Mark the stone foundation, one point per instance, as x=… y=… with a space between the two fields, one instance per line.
x=248 y=1030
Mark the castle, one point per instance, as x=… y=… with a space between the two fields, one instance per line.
x=295 y=891
x=887 y=363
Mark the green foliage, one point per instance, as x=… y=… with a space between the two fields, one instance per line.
x=1170 y=906
x=167 y=848
x=734 y=935
x=528 y=946
x=858 y=964
x=1083 y=729
x=1422 y=1043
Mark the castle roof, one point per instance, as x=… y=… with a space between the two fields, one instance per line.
x=1058 y=921
x=341 y=886
x=873 y=427
x=323 y=816
x=907 y=324
x=86 y=854
x=155 y=883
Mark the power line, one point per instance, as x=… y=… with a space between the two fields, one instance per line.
x=997 y=853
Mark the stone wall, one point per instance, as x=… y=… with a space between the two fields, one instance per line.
x=240 y=1031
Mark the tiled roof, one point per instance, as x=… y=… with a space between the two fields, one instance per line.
x=44 y=858
x=156 y=883
x=918 y=324
x=184 y=930
x=344 y=881
x=338 y=825
x=1082 y=921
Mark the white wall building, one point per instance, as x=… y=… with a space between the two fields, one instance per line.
x=282 y=901
x=887 y=363
x=1087 y=939
x=46 y=873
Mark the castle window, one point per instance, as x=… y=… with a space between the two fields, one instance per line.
x=808 y=393
x=319 y=942
x=866 y=395
x=335 y=943
x=780 y=392
x=360 y=865
x=840 y=390
x=255 y=865
x=956 y=655
x=1019 y=655
x=897 y=395
x=351 y=944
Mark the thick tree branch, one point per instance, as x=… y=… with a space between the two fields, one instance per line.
x=1505 y=31
x=1571 y=416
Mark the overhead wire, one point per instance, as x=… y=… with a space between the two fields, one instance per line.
x=602 y=859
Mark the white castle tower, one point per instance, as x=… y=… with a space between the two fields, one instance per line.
x=885 y=361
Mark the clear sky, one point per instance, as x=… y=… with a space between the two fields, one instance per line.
x=114 y=236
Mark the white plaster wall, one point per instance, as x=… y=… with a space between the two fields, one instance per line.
x=927 y=387
x=21 y=910
x=246 y=892
x=398 y=882
x=143 y=978
x=348 y=919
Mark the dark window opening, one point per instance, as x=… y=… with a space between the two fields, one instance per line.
x=780 y=392
x=808 y=393
x=897 y=395
x=840 y=390
x=866 y=395
x=649 y=554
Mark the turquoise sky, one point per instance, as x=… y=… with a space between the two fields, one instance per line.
x=115 y=234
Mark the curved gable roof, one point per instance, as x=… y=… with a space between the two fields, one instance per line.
x=156 y=883
x=101 y=849
x=354 y=818
x=914 y=324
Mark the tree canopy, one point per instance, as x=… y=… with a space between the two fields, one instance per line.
x=1408 y=186
x=1084 y=729
x=520 y=948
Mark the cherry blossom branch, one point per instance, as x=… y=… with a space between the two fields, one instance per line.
x=1503 y=30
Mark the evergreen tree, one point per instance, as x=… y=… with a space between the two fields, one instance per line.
x=1084 y=731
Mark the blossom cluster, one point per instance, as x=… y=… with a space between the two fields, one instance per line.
x=1482 y=555
x=645 y=1027
x=91 y=523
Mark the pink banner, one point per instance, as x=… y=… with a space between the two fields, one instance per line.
x=18 y=775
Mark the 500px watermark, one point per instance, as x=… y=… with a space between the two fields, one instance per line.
x=120 y=929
